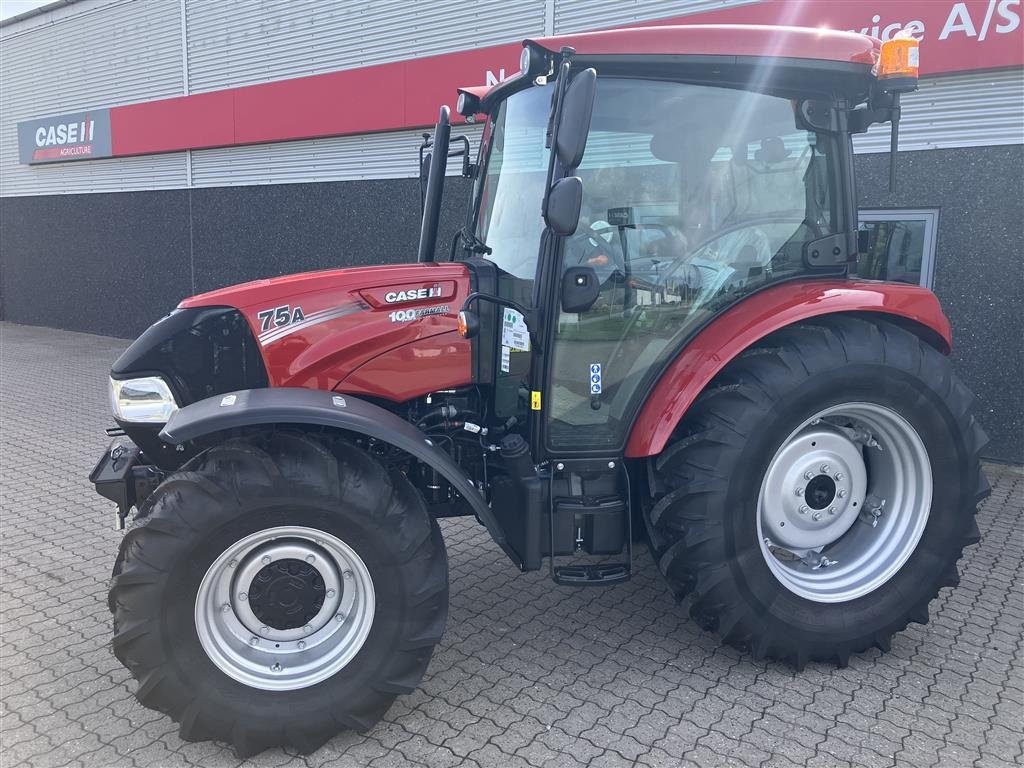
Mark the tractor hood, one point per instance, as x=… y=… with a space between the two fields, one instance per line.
x=388 y=332
x=383 y=331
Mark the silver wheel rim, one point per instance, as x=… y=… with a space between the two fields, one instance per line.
x=336 y=608
x=844 y=502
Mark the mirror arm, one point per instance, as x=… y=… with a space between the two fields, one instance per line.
x=530 y=314
x=468 y=168
x=562 y=83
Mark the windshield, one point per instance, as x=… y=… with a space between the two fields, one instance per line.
x=511 y=188
x=702 y=177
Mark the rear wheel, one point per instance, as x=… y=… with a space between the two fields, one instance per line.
x=279 y=589
x=819 y=493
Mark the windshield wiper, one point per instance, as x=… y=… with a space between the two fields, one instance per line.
x=470 y=242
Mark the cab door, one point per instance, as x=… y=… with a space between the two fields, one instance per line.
x=693 y=197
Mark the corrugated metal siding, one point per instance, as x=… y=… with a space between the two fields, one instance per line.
x=102 y=55
x=580 y=15
x=75 y=8
x=109 y=52
x=342 y=158
x=970 y=110
x=253 y=41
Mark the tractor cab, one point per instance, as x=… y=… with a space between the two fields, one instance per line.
x=621 y=202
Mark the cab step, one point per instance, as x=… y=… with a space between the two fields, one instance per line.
x=589 y=518
x=591 y=575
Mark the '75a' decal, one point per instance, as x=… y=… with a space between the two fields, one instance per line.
x=278 y=317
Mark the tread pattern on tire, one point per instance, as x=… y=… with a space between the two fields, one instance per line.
x=215 y=487
x=691 y=477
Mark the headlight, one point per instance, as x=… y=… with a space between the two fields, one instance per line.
x=148 y=399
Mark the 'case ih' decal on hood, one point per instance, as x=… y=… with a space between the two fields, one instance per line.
x=408 y=293
x=297 y=321
x=412 y=294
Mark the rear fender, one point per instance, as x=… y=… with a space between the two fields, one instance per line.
x=764 y=312
x=293 y=405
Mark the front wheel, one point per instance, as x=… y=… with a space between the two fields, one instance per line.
x=279 y=588
x=819 y=493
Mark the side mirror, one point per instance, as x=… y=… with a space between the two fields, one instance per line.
x=580 y=289
x=574 y=121
x=562 y=211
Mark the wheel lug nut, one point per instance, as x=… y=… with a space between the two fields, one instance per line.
x=808 y=475
x=225 y=608
x=264 y=630
x=331 y=593
x=840 y=475
x=265 y=560
x=253 y=640
x=339 y=617
x=242 y=596
x=310 y=558
x=816 y=516
x=275 y=667
x=841 y=493
x=233 y=564
x=302 y=644
x=348 y=575
x=831 y=510
x=803 y=509
x=307 y=629
x=799 y=491
x=824 y=468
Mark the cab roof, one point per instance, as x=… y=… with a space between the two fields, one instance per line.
x=721 y=40
x=738 y=41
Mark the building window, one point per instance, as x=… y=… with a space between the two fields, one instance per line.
x=901 y=245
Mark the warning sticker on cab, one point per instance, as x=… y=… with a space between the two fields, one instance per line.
x=595 y=378
x=513 y=331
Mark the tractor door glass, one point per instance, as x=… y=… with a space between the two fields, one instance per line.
x=511 y=186
x=694 y=197
x=509 y=221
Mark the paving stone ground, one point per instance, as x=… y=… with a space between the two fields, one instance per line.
x=528 y=674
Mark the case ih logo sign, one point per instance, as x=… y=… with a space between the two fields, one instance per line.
x=77 y=136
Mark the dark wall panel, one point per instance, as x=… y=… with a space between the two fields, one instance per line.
x=114 y=263
x=105 y=263
x=978 y=267
x=243 y=233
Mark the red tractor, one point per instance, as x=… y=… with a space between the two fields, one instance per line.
x=647 y=330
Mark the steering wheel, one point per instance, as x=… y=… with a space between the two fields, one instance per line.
x=592 y=249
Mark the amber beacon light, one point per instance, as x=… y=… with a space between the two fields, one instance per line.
x=898 y=63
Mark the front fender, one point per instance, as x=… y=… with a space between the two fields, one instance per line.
x=759 y=315
x=294 y=405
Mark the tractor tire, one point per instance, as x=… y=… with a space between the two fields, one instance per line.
x=279 y=588
x=855 y=434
